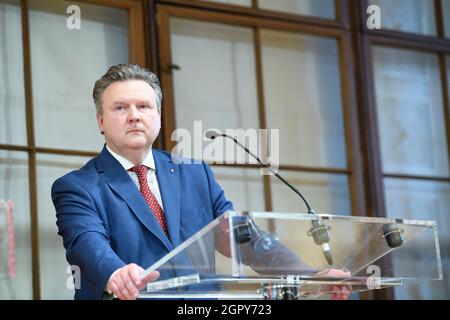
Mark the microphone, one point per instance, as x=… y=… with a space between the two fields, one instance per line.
x=212 y=134
x=246 y=231
x=319 y=231
x=393 y=235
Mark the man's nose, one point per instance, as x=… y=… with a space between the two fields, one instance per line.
x=133 y=113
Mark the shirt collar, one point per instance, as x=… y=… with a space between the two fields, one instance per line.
x=149 y=161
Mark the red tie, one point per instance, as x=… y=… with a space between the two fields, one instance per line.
x=141 y=172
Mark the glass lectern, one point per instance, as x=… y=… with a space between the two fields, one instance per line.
x=268 y=255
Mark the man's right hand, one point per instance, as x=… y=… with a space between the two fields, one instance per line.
x=126 y=282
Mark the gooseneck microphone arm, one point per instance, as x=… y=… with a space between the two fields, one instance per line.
x=319 y=231
x=212 y=135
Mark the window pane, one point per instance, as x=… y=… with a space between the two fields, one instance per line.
x=66 y=63
x=14 y=186
x=325 y=193
x=296 y=68
x=445 y=13
x=216 y=83
x=414 y=16
x=53 y=263
x=422 y=200
x=243 y=187
x=12 y=94
x=448 y=70
x=410 y=112
x=246 y=3
x=319 y=8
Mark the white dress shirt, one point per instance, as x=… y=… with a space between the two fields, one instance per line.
x=149 y=161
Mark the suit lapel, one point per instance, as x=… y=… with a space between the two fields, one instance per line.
x=169 y=186
x=118 y=179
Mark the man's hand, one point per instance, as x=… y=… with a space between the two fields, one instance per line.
x=338 y=292
x=126 y=282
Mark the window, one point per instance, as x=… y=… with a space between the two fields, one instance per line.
x=215 y=87
x=410 y=112
x=414 y=145
x=64 y=72
x=218 y=73
x=295 y=69
x=362 y=114
x=48 y=119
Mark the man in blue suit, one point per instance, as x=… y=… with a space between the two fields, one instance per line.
x=114 y=219
x=131 y=205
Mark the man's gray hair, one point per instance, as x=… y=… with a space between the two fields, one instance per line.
x=122 y=72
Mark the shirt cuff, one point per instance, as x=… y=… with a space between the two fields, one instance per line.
x=113 y=274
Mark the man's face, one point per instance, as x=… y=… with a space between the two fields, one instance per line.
x=131 y=120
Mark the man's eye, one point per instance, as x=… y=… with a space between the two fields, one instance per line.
x=120 y=108
x=142 y=106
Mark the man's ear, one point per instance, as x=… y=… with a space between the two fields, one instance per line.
x=100 y=122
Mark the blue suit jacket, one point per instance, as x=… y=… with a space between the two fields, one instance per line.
x=106 y=223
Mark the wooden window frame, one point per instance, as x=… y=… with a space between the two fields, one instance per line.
x=166 y=10
x=364 y=40
x=438 y=45
x=341 y=10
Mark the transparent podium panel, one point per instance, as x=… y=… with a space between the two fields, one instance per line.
x=267 y=255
